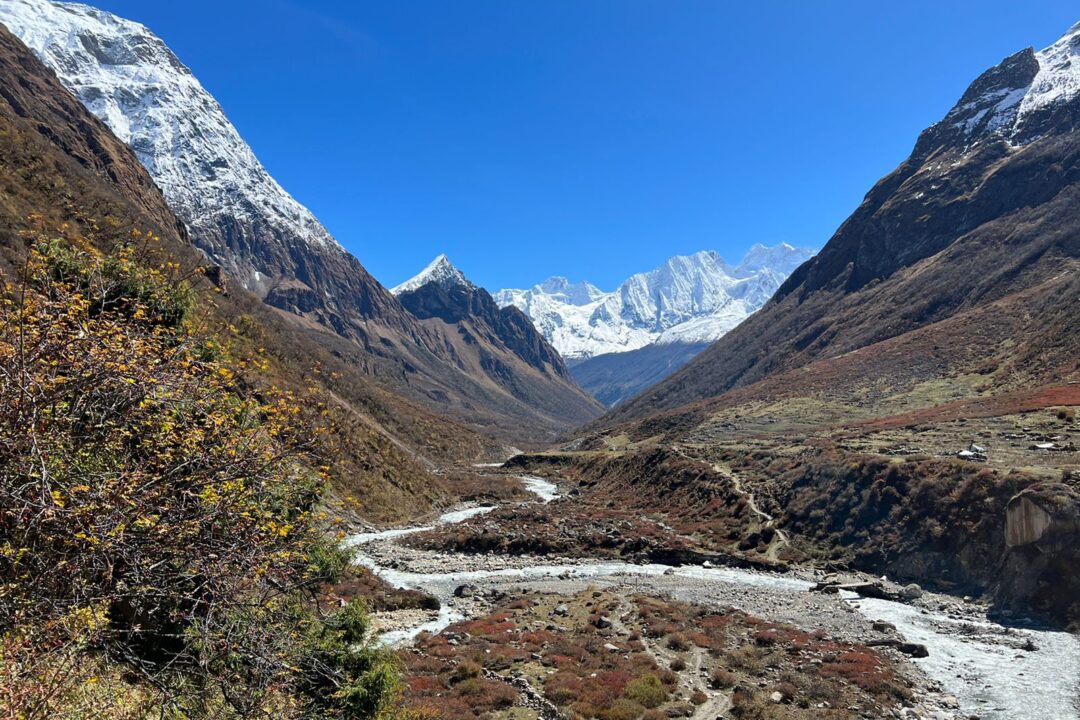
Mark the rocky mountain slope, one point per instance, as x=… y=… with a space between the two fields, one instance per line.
x=63 y=173
x=248 y=225
x=499 y=343
x=983 y=210
x=907 y=401
x=235 y=211
x=620 y=342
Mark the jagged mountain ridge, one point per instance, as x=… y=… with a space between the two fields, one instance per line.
x=688 y=300
x=979 y=221
x=245 y=222
x=502 y=341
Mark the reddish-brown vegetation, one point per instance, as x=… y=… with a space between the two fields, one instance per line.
x=613 y=672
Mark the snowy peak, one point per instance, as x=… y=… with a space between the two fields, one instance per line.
x=127 y=76
x=688 y=299
x=1016 y=99
x=781 y=259
x=1058 y=79
x=439 y=271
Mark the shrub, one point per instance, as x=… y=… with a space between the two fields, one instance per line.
x=622 y=709
x=678 y=642
x=722 y=679
x=484 y=694
x=466 y=670
x=157 y=512
x=647 y=691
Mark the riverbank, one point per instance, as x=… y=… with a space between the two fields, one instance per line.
x=974 y=667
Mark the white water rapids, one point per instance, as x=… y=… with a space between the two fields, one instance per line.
x=989 y=678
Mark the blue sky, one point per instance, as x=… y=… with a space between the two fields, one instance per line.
x=586 y=138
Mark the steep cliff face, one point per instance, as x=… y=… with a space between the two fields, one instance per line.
x=1042 y=532
x=235 y=211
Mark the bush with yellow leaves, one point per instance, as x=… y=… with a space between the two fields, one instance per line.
x=157 y=533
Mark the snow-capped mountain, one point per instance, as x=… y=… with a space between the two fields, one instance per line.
x=264 y=239
x=235 y=211
x=1016 y=100
x=970 y=246
x=439 y=271
x=691 y=299
x=498 y=342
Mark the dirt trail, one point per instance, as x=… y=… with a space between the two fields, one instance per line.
x=780 y=538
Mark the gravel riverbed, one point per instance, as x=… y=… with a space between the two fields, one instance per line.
x=975 y=668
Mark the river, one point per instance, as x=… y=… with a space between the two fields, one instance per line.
x=983 y=664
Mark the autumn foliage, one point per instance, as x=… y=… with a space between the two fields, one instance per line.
x=159 y=543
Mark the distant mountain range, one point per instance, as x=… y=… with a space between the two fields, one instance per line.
x=674 y=311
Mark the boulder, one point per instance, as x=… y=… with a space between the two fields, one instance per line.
x=911 y=592
x=465 y=591
x=915 y=650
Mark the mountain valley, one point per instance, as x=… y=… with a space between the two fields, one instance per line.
x=263 y=239
x=240 y=478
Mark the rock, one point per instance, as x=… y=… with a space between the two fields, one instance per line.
x=603 y=623
x=611 y=648
x=562 y=610
x=777 y=696
x=884 y=627
x=464 y=591
x=670 y=571
x=911 y=592
x=915 y=650
x=1041 y=510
